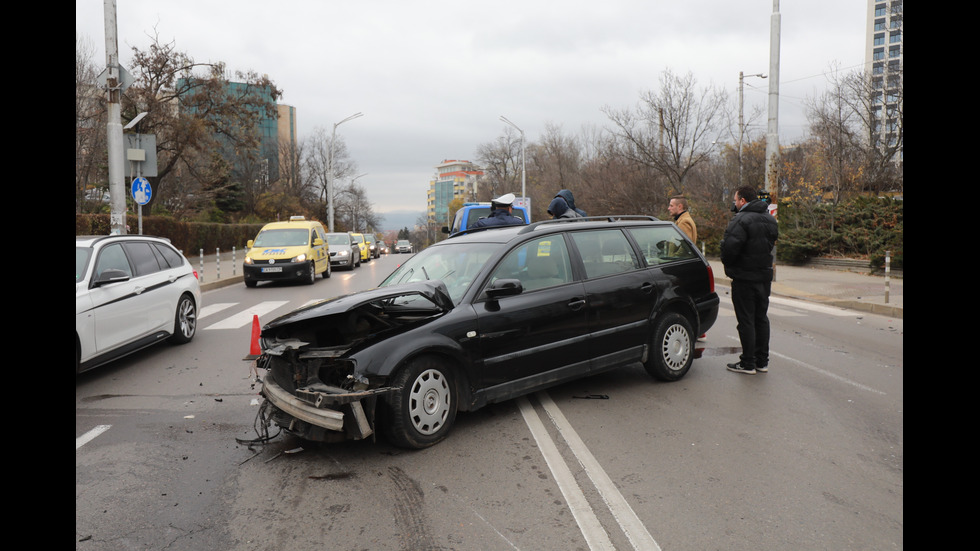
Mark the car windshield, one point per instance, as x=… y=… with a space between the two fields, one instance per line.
x=82 y=254
x=283 y=238
x=457 y=265
x=338 y=240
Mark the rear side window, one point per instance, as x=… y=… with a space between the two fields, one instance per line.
x=143 y=258
x=663 y=244
x=170 y=256
x=605 y=252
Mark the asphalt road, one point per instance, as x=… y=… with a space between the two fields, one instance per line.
x=808 y=456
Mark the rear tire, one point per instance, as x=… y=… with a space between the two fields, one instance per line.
x=185 y=321
x=671 y=348
x=423 y=411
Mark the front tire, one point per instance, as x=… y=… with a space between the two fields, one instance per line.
x=185 y=321
x=423 y=411
x=312 y=277
x=671 y=349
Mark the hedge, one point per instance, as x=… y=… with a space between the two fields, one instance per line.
x=188 y=237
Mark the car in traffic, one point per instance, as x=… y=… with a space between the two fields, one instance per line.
x=484 y=317
x=293 y=250
x=467 y=216
x=131 y=291
x=384 y=247
x=403 y=246
x=344 y=253
x=373 y=249
x=358 y=238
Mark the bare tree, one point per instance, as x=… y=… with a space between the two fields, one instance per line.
x=353 y=210
x=91 y=172
x=501 y=162
x=204 y=124
x=672 y=130
x=878 y=103
x=318 y=165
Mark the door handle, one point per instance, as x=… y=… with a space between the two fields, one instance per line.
x=576 y=303
x=647 y=287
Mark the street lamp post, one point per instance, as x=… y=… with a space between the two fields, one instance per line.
x=333 y=139
x=523 y=183
x=741 y=125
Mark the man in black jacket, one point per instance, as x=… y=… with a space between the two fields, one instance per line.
x=746 y=253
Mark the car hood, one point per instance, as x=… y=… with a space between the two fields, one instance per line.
x=265 y=253
x=434 y=290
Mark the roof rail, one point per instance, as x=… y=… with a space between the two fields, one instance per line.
x=610 y=218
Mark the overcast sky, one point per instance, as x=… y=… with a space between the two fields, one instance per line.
x=433 y=77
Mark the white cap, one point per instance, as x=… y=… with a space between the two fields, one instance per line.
x=504 y=200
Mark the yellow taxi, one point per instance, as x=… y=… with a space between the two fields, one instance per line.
x=293 y=250
x=362 y=244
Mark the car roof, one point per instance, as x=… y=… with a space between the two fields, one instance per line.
x=92 y=240
x=501 y=234
x=291 y=224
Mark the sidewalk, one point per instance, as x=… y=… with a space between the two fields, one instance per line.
x=216 y=271
x=835 y=287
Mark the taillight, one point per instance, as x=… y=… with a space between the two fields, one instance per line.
x=711 y=279
x=195 y=276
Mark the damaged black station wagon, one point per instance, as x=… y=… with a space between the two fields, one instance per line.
x=484 y=317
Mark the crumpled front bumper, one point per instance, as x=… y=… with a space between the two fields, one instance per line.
x=340 y=411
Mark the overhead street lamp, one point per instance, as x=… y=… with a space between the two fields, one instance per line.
x=523 y=192
x=333 y=139
x=741 y=126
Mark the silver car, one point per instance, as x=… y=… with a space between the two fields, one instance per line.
x=131 y=291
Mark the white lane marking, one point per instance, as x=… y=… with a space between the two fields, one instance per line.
x=814 y=307
x=595 y=535
x=214 y=308
x=782 y=313
x=90 y=435
x=822 y=371
x=244 y=318
x=620 y=509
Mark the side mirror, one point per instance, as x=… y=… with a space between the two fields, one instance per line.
x=248 y=244
x=445 y=229
x=317 y=242
x=111 y=276
x=505 y=288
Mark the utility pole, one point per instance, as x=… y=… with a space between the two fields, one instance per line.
x=741 y=123
x=333 y=138
x=772 y=135
x=114 y=130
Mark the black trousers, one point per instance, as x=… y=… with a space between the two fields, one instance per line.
x=751 y=302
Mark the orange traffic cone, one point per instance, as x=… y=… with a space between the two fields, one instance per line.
x=254 y=350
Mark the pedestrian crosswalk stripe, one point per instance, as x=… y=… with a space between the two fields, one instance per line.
x=244 y=318
x=214 y=308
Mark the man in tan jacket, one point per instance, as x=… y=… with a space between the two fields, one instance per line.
x=678 y=209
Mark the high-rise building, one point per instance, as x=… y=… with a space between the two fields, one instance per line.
x=454 y=179
x=883 y=58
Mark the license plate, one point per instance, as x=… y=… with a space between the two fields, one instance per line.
x=272 y=269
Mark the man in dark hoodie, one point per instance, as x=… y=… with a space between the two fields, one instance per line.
x=746 y=253
x=559 y=209
x=566 y=194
